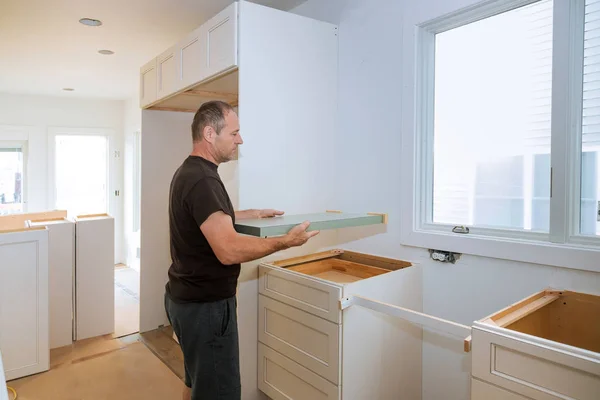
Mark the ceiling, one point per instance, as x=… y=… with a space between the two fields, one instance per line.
x=44 y=48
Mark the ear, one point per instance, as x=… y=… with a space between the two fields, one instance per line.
x=208 y=134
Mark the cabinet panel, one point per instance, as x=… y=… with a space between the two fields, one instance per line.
x=311 y=341
x=221 y=41
x=536 y=371
x=484 y=391
x=192 y=55
x=283 y=379
x=315 y=297
x=166 y=73
x=148 y=88
x=95 y=276
x=24 y=326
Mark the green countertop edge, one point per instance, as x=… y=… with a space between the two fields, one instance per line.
x=317 y=225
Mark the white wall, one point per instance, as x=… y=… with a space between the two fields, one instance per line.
x=132 y=122
x=368 y=176
x=36 y=114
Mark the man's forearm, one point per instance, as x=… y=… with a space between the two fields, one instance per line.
x=249 y=248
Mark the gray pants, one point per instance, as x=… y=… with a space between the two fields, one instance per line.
x=208 y=336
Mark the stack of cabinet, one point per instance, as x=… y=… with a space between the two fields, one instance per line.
x=42 y=305
x=208 y=51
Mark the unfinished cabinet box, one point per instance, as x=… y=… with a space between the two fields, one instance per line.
x=24 y=302
x=544 y=347
x=95 y=276
x=311 y=347
x=61 y=265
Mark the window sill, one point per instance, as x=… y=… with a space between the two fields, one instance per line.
x=573 y=256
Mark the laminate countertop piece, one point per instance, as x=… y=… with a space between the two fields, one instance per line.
x=281 y=225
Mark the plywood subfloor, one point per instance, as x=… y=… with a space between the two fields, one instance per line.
x=102 y=369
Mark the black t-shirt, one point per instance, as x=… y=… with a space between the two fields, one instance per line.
x=196 y=274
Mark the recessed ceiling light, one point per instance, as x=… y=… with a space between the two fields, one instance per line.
x=68 y=89
x=90 y=22
x=106 y=52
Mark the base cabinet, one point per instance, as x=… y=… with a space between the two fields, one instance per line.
x=543 y=348
x=301 y=325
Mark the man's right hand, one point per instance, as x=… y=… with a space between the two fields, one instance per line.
x=297 y=236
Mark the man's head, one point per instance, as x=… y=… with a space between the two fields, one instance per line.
x=216 y=130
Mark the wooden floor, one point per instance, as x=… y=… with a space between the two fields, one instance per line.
x=146 y=366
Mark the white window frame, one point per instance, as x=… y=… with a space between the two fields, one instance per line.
x=563 y=246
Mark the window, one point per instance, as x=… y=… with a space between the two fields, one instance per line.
x=12 y=167
x=502 y=130
x=492 y=97
x=82 y=174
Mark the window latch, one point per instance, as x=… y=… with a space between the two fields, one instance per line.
x=460 y=229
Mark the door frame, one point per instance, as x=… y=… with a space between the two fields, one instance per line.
x=53 y=132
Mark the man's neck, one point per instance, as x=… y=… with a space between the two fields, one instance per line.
x=199 y=151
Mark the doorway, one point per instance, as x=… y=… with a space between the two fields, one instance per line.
x=82 y=173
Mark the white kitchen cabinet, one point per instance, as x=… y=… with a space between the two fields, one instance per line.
x=148 y=83
x=309 y=333
x=544 y=347
x=94 y=276
x=221 y=41
x=211 y=50
x=24 y=302
x=61 y=266
x=167 y=66
x=191 y=52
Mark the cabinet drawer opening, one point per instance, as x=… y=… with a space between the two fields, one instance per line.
x=566 y=317
x=342 y=267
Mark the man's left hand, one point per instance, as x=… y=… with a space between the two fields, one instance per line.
x=269 y=213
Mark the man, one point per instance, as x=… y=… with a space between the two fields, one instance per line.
x=206 y=254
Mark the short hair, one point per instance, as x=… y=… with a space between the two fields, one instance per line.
x=211 y=113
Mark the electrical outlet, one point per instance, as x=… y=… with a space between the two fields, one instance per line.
x=444 y=256
x=598 y=212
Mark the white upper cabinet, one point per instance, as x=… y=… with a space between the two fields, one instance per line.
x=221 y=41
x=191 y=52
x=209 y=50
x=166 y=73
x=148 y=83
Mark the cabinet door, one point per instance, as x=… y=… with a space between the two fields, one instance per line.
x=221 y=41
x=282 y=379
x=535 y=370
x=309 y=340
x=148 y=83
x=24 y=322
x=192 y=55
x=166 y=73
